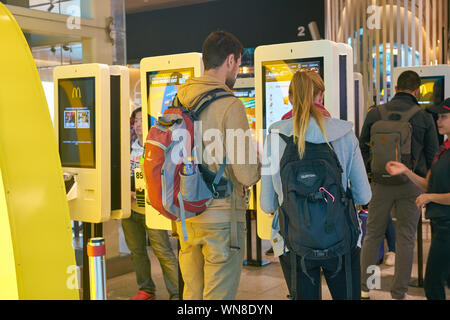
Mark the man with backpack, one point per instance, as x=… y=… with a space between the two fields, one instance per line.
x=212 y=254
x=402 y=131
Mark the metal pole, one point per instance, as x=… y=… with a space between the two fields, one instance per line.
x=96 y=251
x=420 y=253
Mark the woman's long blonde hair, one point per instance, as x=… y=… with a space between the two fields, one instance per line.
x=302 y=91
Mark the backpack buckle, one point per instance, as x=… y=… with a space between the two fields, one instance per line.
x=215 y=193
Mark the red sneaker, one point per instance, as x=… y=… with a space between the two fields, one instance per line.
x=142 y=295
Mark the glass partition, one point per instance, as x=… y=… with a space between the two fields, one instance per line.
x=73 y=8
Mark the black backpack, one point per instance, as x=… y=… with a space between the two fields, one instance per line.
x=318 y=218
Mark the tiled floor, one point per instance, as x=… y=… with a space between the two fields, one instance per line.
x=261 y=283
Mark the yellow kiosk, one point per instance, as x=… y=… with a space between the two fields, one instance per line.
x=160 y=78
x=92 y=130
x=35 y=231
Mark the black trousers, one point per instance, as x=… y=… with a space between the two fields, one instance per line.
x=306 y=290
x=437 y=273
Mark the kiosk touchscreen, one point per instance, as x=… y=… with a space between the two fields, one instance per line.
x=160 y=79
x=435 y=86
x=82 y=126
x=360 y=108
x=244 y=90
x=120 y=142
x=275 y=66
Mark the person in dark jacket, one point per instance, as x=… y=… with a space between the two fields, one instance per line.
x=424 y=144
x=437 y=203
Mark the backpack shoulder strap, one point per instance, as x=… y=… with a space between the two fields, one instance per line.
x=204 y=101
x=406 y=116
x=384 y=113
x=285 y=138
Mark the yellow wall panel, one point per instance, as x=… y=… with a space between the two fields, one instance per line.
x=33 y=193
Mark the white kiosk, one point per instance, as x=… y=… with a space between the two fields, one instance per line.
x=92 y=129
x=435 y=86
x=360 y=108
x=82 y=125
x=160 y=79
x=274 y=67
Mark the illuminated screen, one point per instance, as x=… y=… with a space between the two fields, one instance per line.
x=76 y=123
x=277 y=76
x=247 y=96
x=162 y=87
x=431 y=91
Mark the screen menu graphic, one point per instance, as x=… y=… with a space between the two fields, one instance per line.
x=76 y=129
x=277 y=76
x=431 y=91
x=247 y=96
x=162 y=88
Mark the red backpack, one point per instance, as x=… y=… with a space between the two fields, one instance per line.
x=169 y=145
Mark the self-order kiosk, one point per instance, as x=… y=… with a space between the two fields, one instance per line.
x=274 y=67
x=160 y=79
x=92 y=129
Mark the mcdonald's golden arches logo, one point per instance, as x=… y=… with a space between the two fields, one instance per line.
x=76 y=92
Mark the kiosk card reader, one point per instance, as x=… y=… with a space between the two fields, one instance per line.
x=275 y=66
x=160 y=79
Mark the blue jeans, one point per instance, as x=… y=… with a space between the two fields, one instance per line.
x=390 y=235
x=135 y=232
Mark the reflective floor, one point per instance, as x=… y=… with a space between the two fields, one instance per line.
x=265 y=283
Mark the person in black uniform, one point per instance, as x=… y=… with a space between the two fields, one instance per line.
x=437 y=202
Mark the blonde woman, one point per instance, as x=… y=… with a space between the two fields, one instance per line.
x=307 y=129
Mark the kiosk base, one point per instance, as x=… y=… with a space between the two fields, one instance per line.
x=250 y=261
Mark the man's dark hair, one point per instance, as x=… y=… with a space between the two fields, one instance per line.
x=408 y=80
x=134 y=113
x=218 y=46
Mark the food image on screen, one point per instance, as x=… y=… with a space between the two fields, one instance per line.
x=431 y=91
x=247 y=96
x=277 y=76
x=83 y=119
x=69 y=119
x=162 y=88
x=76 y=125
